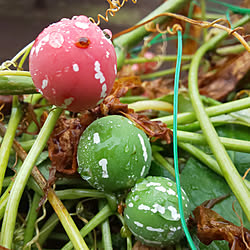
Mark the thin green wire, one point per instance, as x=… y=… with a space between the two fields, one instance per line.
x=233 y=8
x=177 y=178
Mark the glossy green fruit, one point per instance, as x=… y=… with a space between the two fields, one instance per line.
x=113 y=154
x=152 y=212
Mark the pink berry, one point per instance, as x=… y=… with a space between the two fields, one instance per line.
x=73 y=64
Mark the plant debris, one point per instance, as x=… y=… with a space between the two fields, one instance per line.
x=211 y=226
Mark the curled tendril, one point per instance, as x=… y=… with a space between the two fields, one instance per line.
x=203 y=24
x=7 y=64
x=1 y=114
x=151 y=27
x=114 y=6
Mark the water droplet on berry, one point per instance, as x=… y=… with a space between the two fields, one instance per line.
x=83 y=42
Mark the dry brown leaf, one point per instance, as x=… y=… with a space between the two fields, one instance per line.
x=211 y=226
x=225 y=80
x=62 y=146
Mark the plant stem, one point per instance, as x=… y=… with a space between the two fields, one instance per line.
x=128 y=236
x=151 y=104
x=16 y=85
x=188 y=117
x=67 y=222
x=127 y=41
x=205 y=158
x=99 y=218
x=162 y=72
x=159 y=58
x=51 y=223
x=14 y=73
x=32 y=216
x=230 y=144
x=229 y=50
x=106 y=234
x=16 y=115
x=8 y=225
x=230 y=174
x=70 y=194
x=159 y=158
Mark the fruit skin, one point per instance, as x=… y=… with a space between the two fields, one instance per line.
x=113 y=154
x=69 y=75
x=152 y=213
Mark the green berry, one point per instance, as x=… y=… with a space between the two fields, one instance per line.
x=152 y=212
x=113 y=154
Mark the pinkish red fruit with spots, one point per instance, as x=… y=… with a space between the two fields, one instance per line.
x=73 y=63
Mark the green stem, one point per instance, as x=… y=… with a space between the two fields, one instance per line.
x=188 y=117
x=70 y=194
x=14 y=73
x=16 y=115
x=205 y=158
x=51 y=223
x=105 y=227
x=32 y=216
x=162 y=72
x=16 y=85
x=8 y=225
x=230 y=144
x=228 y=169
x=156 y=59
x=99 y=218
x=151 y=104
x=159 y=158
x=229 y=50
x=128 y=233
x=127 y=41
x=4 y=200
x=216 y=121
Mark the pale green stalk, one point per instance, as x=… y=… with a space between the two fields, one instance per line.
x=227 y=167
x=9 y=220
x=16 y=115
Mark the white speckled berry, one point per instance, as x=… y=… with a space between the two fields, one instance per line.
x=70 y=66
x=152 y=212
x=113 y=154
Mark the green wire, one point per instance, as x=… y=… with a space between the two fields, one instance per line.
x=176 y=86
x=233 y=8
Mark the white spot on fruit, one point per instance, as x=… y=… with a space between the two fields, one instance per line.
x=75 y=67
x=153 y=184
x=162 y=189
x=103 y=163
x=96 y=138
x=145 y=155
x=56 y=40
x=130 y=204
x=173 y=229
x=171 y=192
x=115 y=68
x=174 y=213
x=160 y=230
x=170 y=184
x=41 y=43
x=137 y=223
x=44 y=83
x=143 y=207
x=81 y=25
x=142 y=171
x=67 y=102
x=107 y=54
x=158 y=208
x=99 y=74
x=104 y=89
